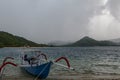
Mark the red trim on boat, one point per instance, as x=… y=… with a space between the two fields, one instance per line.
x=68 y=64
x=4 y=64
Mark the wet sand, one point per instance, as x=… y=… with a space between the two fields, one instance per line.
x=58 y=77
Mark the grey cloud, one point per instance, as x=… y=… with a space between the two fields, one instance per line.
x=114 y=7
x=48 y=20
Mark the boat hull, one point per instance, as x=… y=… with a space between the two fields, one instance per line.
x=40 y=71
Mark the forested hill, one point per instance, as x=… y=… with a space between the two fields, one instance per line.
x=87 y=41
x=10 y=40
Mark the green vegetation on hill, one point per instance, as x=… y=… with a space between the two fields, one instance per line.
x=87 y=41
x=9 y=40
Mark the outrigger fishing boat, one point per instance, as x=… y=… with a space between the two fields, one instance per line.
x=38 y=65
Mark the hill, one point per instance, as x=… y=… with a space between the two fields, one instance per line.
x=9 y=40
x=117 y=40
x=59 y=43
x=87 y=41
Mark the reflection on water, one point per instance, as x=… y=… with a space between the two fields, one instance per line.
x=85 y=60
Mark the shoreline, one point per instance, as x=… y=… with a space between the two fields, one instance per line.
x=62 y=77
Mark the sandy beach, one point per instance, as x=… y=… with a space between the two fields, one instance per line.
x=58 y=77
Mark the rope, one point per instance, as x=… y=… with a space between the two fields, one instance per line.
x=41 y=72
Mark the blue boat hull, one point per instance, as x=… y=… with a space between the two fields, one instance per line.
x=40 y=71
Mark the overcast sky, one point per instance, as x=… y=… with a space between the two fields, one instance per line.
x=44 y=21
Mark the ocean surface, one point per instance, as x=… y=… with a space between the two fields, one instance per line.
x=85 y=60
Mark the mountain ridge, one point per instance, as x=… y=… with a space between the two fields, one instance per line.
x=10 y=40
x=117 y=40
x=59 y=43
x=87 y=41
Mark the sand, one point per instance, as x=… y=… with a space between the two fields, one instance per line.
x=58 y=77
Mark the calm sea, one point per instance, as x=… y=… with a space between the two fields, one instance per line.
x=85 y=60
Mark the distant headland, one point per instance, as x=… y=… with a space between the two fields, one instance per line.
x=87 y=41
x=10 y=40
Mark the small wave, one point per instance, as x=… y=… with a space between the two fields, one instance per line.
x=88 y=72
x=107 y=73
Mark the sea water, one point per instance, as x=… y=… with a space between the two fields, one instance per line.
x=85 y=60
